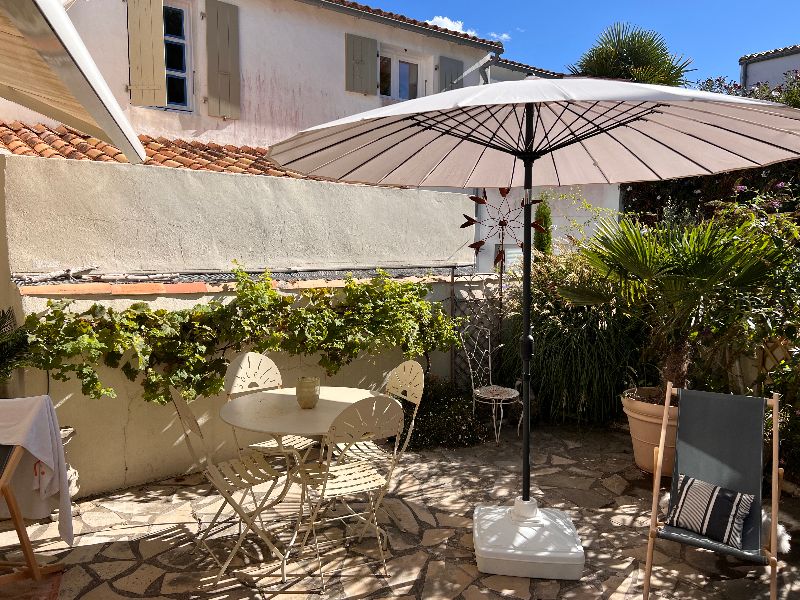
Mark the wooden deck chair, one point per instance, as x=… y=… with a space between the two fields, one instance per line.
x=405 y=382
x=231 y=478
x=334 y=479
x=720 y=440
x=10 y=457
x=253 y=372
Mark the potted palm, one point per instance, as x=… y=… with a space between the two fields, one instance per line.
x=681 y=281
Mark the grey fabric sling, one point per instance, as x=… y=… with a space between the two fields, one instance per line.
x=721 y=441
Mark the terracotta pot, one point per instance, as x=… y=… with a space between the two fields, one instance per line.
x=644 y=420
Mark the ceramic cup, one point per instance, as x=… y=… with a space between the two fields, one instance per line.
x=307 y=391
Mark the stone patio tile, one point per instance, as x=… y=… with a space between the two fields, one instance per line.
x=73 y=582
x=515 y=587
x=401 y=515
x=457 y=521
x=138 y=581
x=109 y=569
x=546 y=589
x=434 y=537
x=445 y=581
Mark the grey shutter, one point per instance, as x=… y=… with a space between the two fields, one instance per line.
x=361 y=64
x=148 y=75
x=450 y=69
x=222 y=46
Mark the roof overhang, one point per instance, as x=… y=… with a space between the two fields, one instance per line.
x=769 y=54
x=45 y=66
x=364 y=12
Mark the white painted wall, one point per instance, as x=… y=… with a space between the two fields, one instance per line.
x=770 y=71
x=292 y=67
x=574 y=211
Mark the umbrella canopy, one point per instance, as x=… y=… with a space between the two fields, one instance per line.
x=45 y=66
x=584 y=131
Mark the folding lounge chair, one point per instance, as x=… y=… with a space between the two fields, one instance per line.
x=720 y=440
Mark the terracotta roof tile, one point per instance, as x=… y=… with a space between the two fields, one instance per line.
x=65 y=142
x=756 y=56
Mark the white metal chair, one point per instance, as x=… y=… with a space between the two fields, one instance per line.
x=405 y=382
x=334 y=480
x=232 y=477
x=478 y=350
x=253 y=372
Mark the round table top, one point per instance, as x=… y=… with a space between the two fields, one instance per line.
x=276 y=411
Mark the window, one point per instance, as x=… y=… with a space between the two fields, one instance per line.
x=398 y=77
x=386 y=76
x=409 y=77
x=176 y=57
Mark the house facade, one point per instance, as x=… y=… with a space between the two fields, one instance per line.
x=252 y=72
x=770 y=66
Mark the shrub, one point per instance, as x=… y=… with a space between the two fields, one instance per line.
x=543 y=240
x=444 y=418
x=583 y=356
x=785 y=380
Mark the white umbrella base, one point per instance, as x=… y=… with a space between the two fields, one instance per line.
x=525 y=541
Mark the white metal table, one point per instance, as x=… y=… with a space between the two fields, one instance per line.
x=276 y=412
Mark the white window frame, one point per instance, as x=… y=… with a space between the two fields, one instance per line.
x=396 y=55
x=187 y=41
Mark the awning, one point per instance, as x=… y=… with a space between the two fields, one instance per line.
x=45 y=66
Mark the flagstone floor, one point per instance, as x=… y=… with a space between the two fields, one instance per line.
x=137 y=543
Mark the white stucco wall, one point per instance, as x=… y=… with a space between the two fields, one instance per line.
x=124 y=218
x=770 y=71
x=574 y=210
x=292 y=66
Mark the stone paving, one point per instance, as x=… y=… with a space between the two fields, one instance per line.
x=137 y=543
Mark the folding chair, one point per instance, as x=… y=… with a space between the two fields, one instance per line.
x=720 y=440
x=10 y=457
x=253 y=372
x=335 y=480
x=405 y=382
x=237 y=476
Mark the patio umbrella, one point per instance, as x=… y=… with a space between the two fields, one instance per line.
x=546 y=132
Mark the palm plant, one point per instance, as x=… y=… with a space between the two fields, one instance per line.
x=624 y=51
x=680 y=281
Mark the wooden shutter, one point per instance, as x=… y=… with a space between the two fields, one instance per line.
x=361 y=64
x=222 y=45
x=148 y=75
x=450 y=69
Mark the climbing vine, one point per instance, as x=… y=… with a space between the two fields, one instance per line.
x=186 y=349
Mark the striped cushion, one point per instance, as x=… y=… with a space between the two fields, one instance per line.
x=710 y=510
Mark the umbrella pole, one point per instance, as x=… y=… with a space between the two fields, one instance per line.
x=526 y=340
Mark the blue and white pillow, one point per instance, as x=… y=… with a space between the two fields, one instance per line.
x=715 y=512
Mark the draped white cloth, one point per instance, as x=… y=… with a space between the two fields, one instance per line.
x=40 y=482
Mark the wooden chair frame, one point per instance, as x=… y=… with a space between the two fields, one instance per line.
x=771 y=550
x=30 y=568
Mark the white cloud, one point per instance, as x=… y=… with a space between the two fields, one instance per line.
x=520 y=29
x=501 y=37
x=451 y=24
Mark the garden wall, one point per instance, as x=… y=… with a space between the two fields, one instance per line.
x=59 y=214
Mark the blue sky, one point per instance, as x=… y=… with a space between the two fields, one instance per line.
x=553 y=34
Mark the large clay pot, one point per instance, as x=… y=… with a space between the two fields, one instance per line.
x=644 y=420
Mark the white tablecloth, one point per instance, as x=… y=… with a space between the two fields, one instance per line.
x=40 y=482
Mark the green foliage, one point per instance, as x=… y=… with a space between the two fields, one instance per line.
x=13 y=343
x=543 y=240
x=444 y=418
x=785 y=380
x=681 y=281
x=787 y=92
x=185 y=349
x=624 y=51
x=583 y=355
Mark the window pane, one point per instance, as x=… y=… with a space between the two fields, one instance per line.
x=173 y=22
x=409 y=77
x=386 y=76
x=176 y=90
x=174 y=56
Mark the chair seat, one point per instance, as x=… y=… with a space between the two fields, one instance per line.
x=684 y=536
x=289 y=442
x=496 y=393
x=343 y=479
x=364 y=451
x=242 y=473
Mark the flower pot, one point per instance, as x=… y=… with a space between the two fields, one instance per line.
x=644 y=420
x=307 y=391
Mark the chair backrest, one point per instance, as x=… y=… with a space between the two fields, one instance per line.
x=721 y=441
x=406 y=381
x=251 y=372
x=476 y=343
x=192 y=434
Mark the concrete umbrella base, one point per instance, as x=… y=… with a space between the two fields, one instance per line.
x=526 y=541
